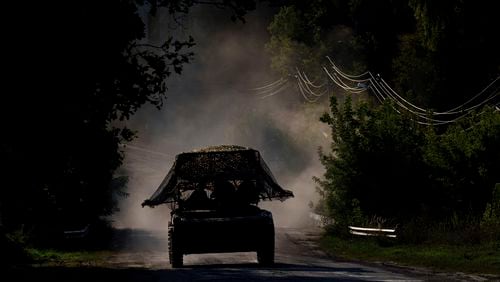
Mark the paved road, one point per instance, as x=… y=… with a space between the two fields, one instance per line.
x=297 y=259
x=142 y=256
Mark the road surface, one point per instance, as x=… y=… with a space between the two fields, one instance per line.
x=142 y=256
x=297 y=259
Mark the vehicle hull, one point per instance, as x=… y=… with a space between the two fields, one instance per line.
x=198 y=233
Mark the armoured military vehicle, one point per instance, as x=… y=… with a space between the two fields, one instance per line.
x=213 y=193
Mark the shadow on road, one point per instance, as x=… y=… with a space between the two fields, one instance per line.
x=141 y=256
x=239 y=272
x=276 y=267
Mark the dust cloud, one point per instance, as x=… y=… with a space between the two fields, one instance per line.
x=212 y=103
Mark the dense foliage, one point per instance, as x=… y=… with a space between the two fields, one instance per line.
x=383 y=163
x=436 y=53
x=73 y=69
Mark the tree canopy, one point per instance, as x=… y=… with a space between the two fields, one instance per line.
x=435 y=54
x=73 y=70
x=388 y=165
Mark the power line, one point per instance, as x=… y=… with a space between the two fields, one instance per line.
x=269 y=85
x=366 y=81
x=383 y=91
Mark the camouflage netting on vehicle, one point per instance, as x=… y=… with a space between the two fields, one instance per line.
x=225 y=162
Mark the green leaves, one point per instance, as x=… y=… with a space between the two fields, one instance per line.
x=436 y=53
x=76 y=70
x=400 y=170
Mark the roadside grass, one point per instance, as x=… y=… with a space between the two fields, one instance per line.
x=480 y=258
x=67 y=258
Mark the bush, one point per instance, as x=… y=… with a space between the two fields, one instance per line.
x=12 y=249
x=437 y=183
x=490 y=222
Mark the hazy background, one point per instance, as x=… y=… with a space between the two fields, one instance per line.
x=212 y=103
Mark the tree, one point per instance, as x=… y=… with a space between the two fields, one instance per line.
x=465 y=161
x=383 y=163
x=74 y=69
x=436 y=53
x=375 y=161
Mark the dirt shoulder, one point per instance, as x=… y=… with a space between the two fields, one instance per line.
x=476 y=263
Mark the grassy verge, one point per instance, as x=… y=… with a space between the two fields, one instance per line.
x=68 y=258
x=481 y=258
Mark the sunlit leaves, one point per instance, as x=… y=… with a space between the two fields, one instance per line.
x=399 y=169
